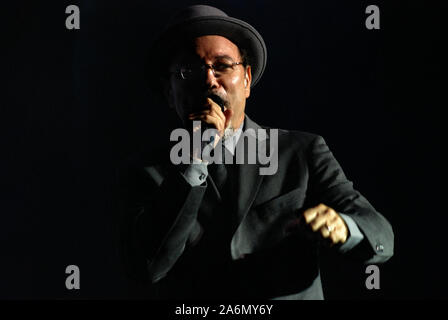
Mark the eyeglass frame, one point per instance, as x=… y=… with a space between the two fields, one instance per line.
x=207 y=66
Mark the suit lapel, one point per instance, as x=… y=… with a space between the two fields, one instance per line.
x=249 y=178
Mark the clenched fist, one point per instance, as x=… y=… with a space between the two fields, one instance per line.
x=324 y=221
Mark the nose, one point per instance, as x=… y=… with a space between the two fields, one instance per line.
x=210 y=79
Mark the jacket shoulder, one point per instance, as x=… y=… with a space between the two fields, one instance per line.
x=296 y=138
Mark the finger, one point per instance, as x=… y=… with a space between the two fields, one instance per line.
x=310 y=214
x=327 y=223
x=323 y=218
x=212 y=105
x=214 y=111
x=341 y=233
x=216 y=121
x=340 y=227
x=325 y=232
x=211 y=119
x=203 y=113
x=208 y=106
x=343 y=236
x=217 y=109
x=342 y=223
x=210 y=102
x=319 y=221
x=337 y=236
x=208 y=118
x=198 y=113
x=220 y=116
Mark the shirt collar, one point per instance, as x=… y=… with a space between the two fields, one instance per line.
x=230 y=142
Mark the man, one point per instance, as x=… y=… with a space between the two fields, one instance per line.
x=207 y=230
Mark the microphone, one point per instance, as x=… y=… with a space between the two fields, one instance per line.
x=217 y=99
x=221 y=103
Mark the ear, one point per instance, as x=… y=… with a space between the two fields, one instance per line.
x=247 y=81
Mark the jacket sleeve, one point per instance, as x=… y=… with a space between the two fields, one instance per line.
x=329 y=185
x=161 y=209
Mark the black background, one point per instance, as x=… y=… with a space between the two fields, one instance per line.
x=74 y=105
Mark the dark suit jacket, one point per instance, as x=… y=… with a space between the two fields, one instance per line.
x=270 y=257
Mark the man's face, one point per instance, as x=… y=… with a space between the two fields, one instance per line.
x=233 y=87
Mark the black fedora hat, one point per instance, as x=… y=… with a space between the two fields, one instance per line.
x=201 y=20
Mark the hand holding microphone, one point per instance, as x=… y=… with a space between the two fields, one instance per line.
x=213 y=116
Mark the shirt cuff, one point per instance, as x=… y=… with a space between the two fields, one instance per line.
x=355 y=235
x=196 y=173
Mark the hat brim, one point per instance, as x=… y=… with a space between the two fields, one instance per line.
x=237 y=31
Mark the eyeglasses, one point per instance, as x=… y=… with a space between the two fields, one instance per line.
x=190 y=72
